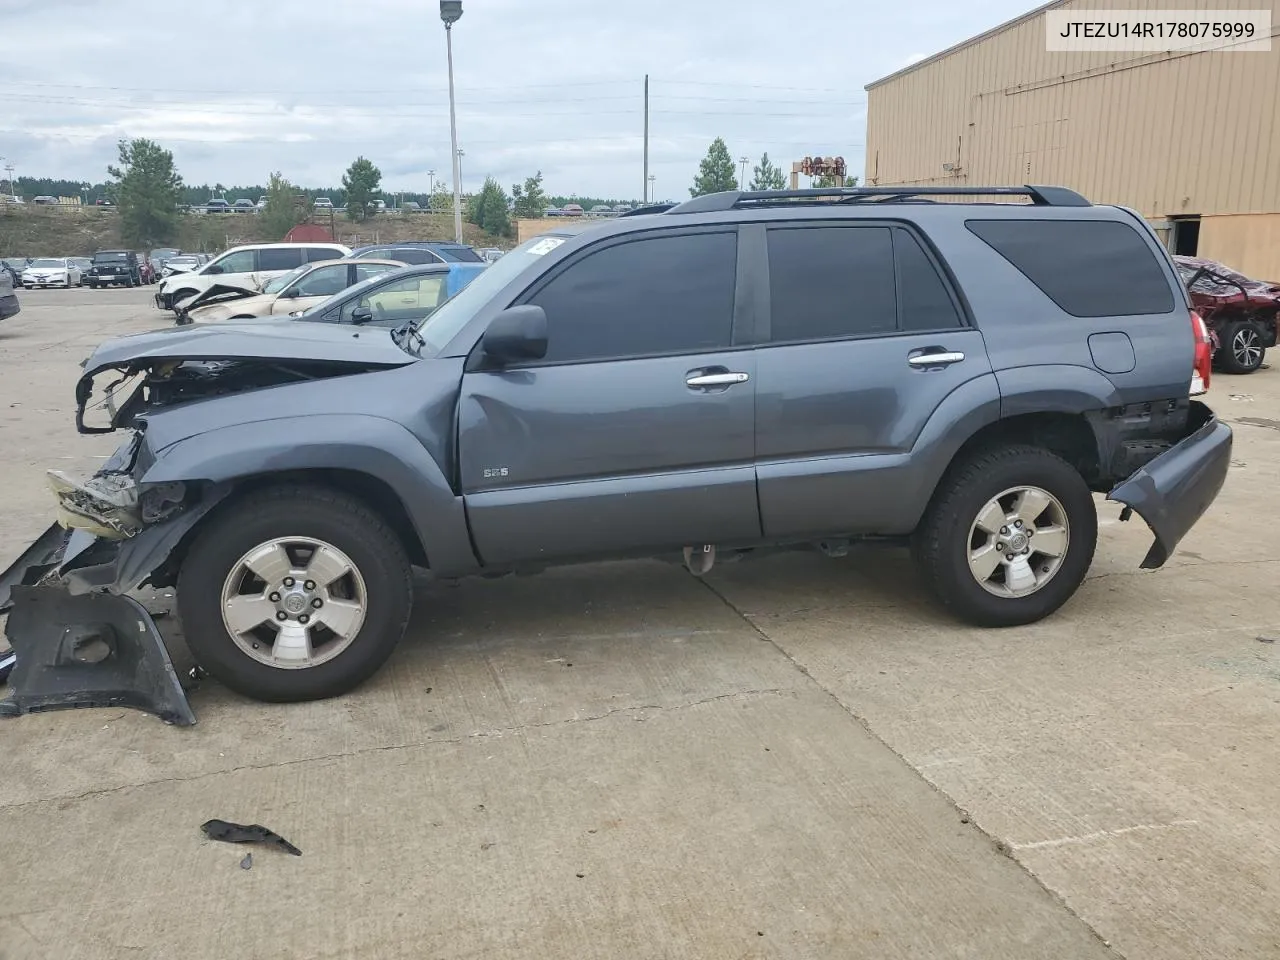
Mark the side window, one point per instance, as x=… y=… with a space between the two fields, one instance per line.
x=922 y=298
x=397 y=295
x=663 y=295
x=366 y=270
x=316 y=254
x=279 y=258
x=830 y=282
x=322 y=281
x=1089 y=268
x=414 y=255
x=242 y=261
x=431 y=292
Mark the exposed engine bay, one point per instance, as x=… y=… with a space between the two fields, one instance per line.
x=138 y=388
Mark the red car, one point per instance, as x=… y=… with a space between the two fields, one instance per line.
x=1241 y=314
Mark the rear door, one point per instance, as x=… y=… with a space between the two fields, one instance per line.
x=865 y=340
x=636 y=431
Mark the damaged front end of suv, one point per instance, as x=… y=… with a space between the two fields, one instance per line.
x=78 y=635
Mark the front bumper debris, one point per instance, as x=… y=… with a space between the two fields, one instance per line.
x=93 y=650
x=1173 y=491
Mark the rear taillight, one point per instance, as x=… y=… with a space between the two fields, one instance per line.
x=1204 y=355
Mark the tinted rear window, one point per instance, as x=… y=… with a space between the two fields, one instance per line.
x=460 y=254
x=1089 y=268
x=279 y=258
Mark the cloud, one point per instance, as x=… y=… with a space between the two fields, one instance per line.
x=239 y=90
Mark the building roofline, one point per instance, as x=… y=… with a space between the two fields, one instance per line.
x=1007 y=25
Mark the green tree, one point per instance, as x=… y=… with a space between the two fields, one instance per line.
x=530 y=201
x=146 y=189
x=488 y=209
x=441 y=200
x=767 y=175
x=361 y=182
x=286 y=207
x=715 y=173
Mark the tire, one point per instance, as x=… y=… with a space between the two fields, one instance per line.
x=952 y=530
x=1242 y=350
x=349 y=530
x=93 y=284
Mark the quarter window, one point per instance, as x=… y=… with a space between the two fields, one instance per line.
x=923 y=301
x=661 y=295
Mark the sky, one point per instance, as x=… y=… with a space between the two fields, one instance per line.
x=237 y=90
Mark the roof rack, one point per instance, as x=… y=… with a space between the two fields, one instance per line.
x=734 y=199
x=644 y=211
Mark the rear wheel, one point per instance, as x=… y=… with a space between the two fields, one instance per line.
x=295 y=593
x=1009 y=536
x=1242 y=349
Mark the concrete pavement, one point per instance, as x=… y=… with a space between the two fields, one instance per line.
x=797 y=757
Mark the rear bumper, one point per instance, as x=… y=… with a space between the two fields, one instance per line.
x=1174 y=490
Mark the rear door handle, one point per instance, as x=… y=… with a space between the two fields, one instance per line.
x=940 y=359
x=716 y=379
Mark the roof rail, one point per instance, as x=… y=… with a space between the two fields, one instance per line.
x=643 y=211
x=1043 y=196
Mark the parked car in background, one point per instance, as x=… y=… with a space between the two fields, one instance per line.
x=217 y=205
x=245 y=267
x=103 y=202
x=112 y=267
x=182 y=263
x=323 y=203
x=291 y=293
x=14 y=266
x=553 y=212
x=83 y=263
x=408 y=294
x=571 y=210
x=243 y=205
x=44 y=200
x=1242 y=314
x=51 y=272
x=261 y=204
x=460 y=255
x=411 y=206
x=8 y=298
x=160 y=255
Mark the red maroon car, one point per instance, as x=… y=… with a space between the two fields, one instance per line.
x=1241 y=313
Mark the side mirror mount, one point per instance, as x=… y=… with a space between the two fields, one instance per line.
x=517 y=333
x=289 y=293
x=361 y=315
x=213 y=268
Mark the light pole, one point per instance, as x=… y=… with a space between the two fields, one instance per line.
x=450 y=13
x=431 y=183
x=742 y=184
x=652 y=194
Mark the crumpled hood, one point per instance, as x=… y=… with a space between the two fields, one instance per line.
x=276 y=340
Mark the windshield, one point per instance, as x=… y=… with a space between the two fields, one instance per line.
x=452 y=315
x=279 y=283
x=46 y=264
x=460 y=254
x=110 y=257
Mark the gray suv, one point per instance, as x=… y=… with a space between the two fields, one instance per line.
x=738 y=372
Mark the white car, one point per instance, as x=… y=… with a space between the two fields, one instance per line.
x=247 y=267
x=182 y=263
x=51 y=272
x=323 y=203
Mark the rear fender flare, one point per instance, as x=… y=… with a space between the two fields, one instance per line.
x=377 y=447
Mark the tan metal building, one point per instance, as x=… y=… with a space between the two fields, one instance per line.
x=1190 y=139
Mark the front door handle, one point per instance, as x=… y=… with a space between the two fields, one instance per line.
x=716 y=379
x=940 y=359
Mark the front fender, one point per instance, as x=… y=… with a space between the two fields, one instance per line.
x=374 y=446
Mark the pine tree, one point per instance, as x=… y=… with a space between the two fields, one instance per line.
x=715 y=173
x=767 y=176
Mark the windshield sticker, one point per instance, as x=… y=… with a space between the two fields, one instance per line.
x=545 y=245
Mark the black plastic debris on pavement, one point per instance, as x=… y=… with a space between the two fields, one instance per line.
x=253 y=833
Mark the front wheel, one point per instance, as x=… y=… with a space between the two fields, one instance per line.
x=1242 y=350
x=1009 y=536
x=295 y=593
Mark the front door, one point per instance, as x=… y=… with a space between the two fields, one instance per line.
x=636 y=431
x=866 y=340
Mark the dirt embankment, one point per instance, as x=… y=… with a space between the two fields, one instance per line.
x=30 y=231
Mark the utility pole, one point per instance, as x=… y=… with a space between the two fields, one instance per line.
x=431 y=183
x=742 y=183
x=646 y=135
